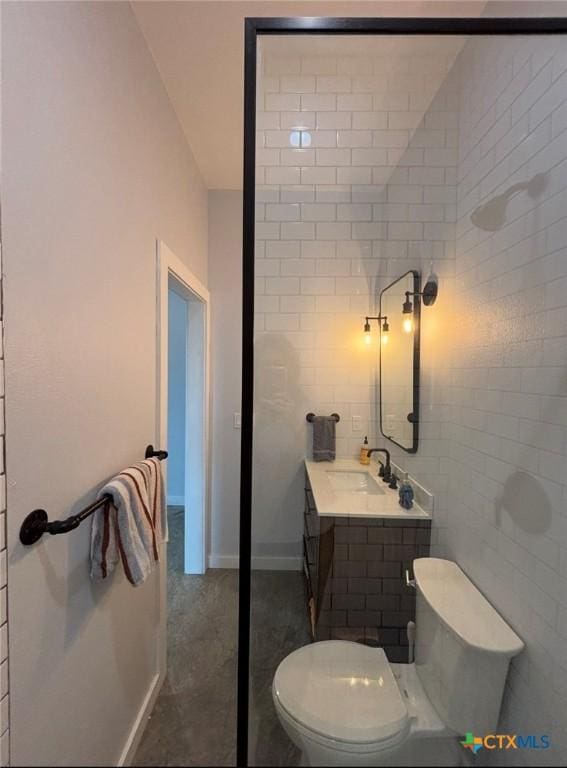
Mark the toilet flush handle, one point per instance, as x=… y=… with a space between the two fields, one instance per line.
x=409 y=582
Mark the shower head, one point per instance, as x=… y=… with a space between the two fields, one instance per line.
x=491 y=216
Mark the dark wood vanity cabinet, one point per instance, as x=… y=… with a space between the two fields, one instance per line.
x=355 y=583
x=318 y=547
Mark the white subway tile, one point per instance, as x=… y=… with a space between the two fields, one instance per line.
x=278 y=65
x=350 y=175
x=353 y=285
x=354 y=65
x=318 y=212
x=369 y=157
x=318 y=175
x=298 y=193
x=369 y=193
x=282 y=212
x=297 y=84
x=333 y=157
x=299 y=121
x=320 y=138
x=280 y=286
x=297 y=157
x=267 y=120
x=405 y=231
x=333 y=120
x=282 y=322
x=267 y=230
x=266 y=268
x=333 y=84
x=354 y=212
x=297 y=230
x=267 y=156
x=263 y=304
x=410 y=157
x=319 y=65
x=369 y=120
x=281 y=175
x=333 y=267
x=404 y=120
x=354 y=138
x=318 y=250
x=333 y=231
x=333 y=193
x=298 y=304
x=282 y=102
x=281 y=250
x=404 y=193
x=366 y=231
x=314 y=286
x=319 y=102
x=354 y=102
x=390 y=138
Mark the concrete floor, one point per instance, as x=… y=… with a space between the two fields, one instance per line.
x=194 y=719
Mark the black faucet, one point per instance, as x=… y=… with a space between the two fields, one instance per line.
x=386 y=475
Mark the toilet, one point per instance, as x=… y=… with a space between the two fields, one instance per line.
x=345 y=704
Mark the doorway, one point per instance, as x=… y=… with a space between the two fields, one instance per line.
x=183 y=405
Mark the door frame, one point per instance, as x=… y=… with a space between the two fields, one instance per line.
x=255 y=27
x=186 y=284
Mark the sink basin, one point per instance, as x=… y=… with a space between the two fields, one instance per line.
x=353 y=482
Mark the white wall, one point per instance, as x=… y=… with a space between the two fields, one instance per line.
x=95 y=168
x=177 y=395
x=225 y=284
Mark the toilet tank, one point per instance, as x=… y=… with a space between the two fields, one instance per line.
x=463 y=647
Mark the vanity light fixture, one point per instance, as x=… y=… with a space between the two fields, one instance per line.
x=383 y=331
x=428 y=296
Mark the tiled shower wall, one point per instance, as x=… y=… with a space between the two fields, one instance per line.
x=507 y=459
x=494 y=405
x=373 y=196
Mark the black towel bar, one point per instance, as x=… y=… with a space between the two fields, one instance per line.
x=37 y=522
x=311 y=416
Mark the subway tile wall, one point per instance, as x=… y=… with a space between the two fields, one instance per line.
x=390 y=185
x=369 y=193
x=507 y=463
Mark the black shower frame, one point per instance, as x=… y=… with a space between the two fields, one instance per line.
x=309 y=26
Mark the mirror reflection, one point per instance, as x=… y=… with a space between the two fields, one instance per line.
x=399 y=361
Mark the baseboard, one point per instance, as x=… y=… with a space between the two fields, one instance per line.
x=263 y=563
x=176 y=501
x=222 y=561
x=137 y=730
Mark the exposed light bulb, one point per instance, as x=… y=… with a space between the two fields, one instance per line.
x=385 y=338
x=367 y=338
x=407 y=325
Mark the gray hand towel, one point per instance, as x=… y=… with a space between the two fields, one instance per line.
x=324 y=448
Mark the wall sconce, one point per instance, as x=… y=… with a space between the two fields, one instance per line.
x=428 y=296
x=383 y=330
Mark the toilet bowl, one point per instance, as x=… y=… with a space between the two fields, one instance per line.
x=344 y=704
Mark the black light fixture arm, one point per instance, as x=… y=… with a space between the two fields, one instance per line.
x=428 y=295
x=380 y=318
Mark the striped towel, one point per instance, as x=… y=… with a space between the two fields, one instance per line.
x=132 y=525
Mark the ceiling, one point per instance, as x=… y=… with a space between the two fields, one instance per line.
x=197 y=46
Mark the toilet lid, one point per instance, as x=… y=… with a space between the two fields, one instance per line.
x=342 y=690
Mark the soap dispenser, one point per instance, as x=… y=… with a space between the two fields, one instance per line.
x=406 y=493
x=364 y=457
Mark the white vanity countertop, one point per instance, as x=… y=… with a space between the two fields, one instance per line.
x=326 y=476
